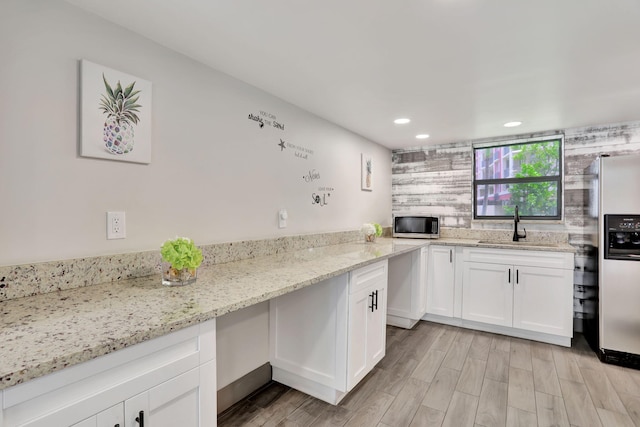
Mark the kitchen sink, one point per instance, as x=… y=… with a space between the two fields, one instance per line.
x=518 y=243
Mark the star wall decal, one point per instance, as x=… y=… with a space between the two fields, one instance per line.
x=281 y=145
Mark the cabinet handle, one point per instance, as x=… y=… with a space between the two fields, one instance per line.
x=374 y=301
x=450 y=256
x=517 y=276
x=509 y=275
x=140 y=419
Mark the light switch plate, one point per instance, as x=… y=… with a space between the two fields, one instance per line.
x=282 y=218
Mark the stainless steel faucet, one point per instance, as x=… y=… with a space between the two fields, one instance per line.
x=516 y=220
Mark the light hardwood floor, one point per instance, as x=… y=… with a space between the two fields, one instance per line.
x=437 y=375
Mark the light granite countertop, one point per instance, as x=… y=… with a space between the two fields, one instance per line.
x=45 y=333
x=505 y=244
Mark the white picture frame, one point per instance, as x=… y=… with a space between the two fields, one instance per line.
x=367 y=172
x=114 y=127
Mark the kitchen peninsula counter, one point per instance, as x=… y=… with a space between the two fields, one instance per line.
x=44 y=333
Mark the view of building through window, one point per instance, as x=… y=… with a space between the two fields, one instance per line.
x=524 y=174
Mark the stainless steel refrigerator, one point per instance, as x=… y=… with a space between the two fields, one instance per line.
x=613 y=330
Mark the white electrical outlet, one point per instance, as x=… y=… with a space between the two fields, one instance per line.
x=116 y=225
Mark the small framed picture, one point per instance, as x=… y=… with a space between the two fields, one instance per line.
x=367 y=172
x=115 y=115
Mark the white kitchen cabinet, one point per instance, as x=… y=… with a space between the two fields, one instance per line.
x=173 y=403
x=487 y=293
x=528 y=291
x=326 y=337
x=112 y=417
x=367 y=321
x=543 y=300
x=441 y=281
x=407 y=288
x=170 y=378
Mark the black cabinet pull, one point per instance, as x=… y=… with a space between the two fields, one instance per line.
x=509 y=275
x=450 y=256
x=140 y=419
x=517 y=276
x=374 y=301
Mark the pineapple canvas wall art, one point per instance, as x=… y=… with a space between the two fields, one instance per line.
x=115 y=114
x=367 y=172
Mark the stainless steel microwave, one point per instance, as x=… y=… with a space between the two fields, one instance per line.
x=416 y=226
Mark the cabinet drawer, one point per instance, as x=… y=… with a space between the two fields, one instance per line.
x=523 y=257
x=366 y=276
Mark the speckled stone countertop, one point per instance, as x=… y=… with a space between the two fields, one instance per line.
x=498 y=244
x=503 y=239
x=44 y=333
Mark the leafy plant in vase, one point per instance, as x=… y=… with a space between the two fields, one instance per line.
x=181 y=258
x=371 y=231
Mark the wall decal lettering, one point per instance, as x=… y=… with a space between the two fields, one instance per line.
x=300 y=152
x=282 y=145
x=264 y=118
x=311 y=176
x=320 y=199
x=256 y=119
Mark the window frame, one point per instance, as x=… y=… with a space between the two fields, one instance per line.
x=559 y=179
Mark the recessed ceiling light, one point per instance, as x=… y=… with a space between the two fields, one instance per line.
x=422 y=136
x=401 y=121
x=512 y=124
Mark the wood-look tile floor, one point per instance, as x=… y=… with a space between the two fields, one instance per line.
x=438 y=375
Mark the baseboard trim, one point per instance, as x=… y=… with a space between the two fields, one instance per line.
x=401 y=322
x=243 y=387
x=503 y=330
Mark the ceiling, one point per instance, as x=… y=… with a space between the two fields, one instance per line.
x=459 y=69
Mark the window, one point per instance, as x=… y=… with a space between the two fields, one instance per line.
x=526 y=173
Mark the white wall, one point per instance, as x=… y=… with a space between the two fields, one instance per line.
x=215 y=176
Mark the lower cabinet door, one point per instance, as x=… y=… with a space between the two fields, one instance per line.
x=377 y=328
x=422 y=278
x=367 y=332
x=440 y=282
x=112 y=417
x=487 y=294
x=173 y=403
x=543 y=300
x=359 y=307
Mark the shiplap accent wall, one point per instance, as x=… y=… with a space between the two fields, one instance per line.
x=437 y=180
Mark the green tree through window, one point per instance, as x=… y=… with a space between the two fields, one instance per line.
x=527 y=174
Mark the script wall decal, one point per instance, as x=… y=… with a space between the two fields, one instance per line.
x=321 y=196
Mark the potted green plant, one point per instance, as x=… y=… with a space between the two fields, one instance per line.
x=180 y=261
x=371 y=231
